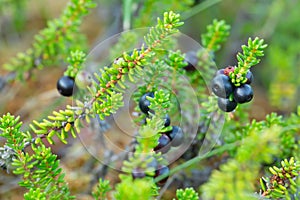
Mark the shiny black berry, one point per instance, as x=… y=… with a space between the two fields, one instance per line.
x=220 y=71
x=138 y=173
x=167 y=120
x=192 y=60
x=176 y=136
x=144 y=103
x=221 y=86
x=243 y=93
x=162 y=170
x=249 y=77
x=65 y=86
x=163 y=144
x=226 y=105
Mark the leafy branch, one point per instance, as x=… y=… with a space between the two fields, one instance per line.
x=54 y=43
x=217 y=33
x=282 y=183
x=247 y=59
x=40 y=170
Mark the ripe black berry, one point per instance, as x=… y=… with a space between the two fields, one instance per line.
x=243 y=94
x=221 y=86
x=163 y=144
x=167 y=120
x=65 y=86
x=138 y=173
x=176 y=136
x=226 y=105
x=144 y=103
x=249 y=77
x=162 y=170
x=220 y=71
x=192 y=60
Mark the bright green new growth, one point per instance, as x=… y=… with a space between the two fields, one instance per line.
x=187 y=193
x=102 y=189
x=75 y=60
x=247 y=59
x=217 y=33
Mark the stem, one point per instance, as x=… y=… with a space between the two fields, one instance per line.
x=198 y=8
x=197 y=159
x=127 y=6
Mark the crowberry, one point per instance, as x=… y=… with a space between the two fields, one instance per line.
x=144 y=103
x=162 y=170
x=176 y=136
x=243 y=93
x=192 y=60
x=65 y=86
x=167 y=120
x=249 y=77
x=221 y=86
x=138 y=173
x=163 y=144
x=226 y=105
x=220 y=71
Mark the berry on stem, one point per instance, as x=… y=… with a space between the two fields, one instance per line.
x=167 y=120
x=176 y=136
x=249 y=77
x=226 y=105
x=138 y=173
x=243 y=93
x=163 y=144
x=65 y=86
x=144 y=103
x=220 y=71
x=162 y=170
x=192 y=60
x=221 y=86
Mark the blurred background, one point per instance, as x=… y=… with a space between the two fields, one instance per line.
x=277 y=80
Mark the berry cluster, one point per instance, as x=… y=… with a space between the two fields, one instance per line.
x=158 y=171
x=167 y=139
x=65 y=85
x=230 y=95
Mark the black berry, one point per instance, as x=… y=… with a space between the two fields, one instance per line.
x=176 y=136
x=138 y=173
x=167 y=120
x=226 y=105
x=243 y=93
x=163 y=144
x=220 y=71
x=153 y=164
x=144 y=103
x=162 y=170
x=192 y=60
x=65 y=86
x=249 y=77
x=221 y=86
